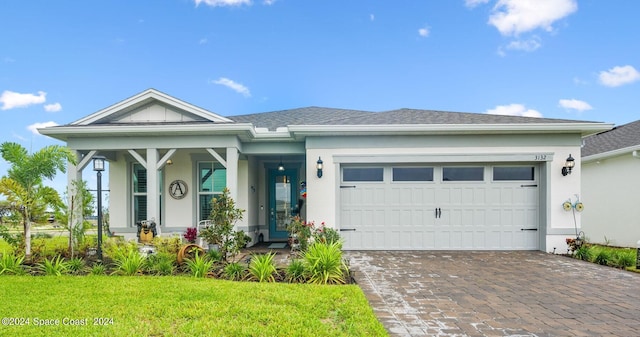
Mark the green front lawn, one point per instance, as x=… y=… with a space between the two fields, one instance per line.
x=180 y=306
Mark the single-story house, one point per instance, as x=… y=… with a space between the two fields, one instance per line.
x=611 y=186
x=392 y=180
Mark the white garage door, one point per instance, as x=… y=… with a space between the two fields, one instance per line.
x=483 y=207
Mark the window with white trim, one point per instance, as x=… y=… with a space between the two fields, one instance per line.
x=212 y=179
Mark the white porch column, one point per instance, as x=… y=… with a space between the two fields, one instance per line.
x=74 y=173
x=232 y=172
x=153 y=198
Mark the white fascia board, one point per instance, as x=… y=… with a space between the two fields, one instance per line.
x=319 y=130
x=105 y=130
x=609 y=154
x=152 y=94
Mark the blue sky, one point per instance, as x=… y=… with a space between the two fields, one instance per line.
x=63 y=60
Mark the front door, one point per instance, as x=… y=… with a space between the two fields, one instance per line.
x=282 y=201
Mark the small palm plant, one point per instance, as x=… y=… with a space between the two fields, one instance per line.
x=324 y=263
x=200 y=265
x=234 y=271
x=295 y=272
x=130 y=263
x=75 y=265
x=11 y=263
x=55 y=266
x=262 y=268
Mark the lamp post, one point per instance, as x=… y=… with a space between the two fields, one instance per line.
x=98 y=166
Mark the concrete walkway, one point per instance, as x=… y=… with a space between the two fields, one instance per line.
x=447 y=293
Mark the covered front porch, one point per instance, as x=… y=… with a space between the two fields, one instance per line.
x=268 y=186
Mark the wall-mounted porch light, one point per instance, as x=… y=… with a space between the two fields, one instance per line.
x=319 y=167
x=568 y=166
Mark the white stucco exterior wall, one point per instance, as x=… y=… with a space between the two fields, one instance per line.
x=611 y=190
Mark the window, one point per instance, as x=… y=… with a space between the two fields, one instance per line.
x=139 y=193
x=463 y=173
x=413 y=174
x=513 y=173
x=212 y=179
x=139 y=182
x=363 y=174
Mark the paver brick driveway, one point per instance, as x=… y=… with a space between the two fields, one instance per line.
x=474 y=293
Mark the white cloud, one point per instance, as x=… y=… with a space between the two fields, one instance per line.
x=372 y=17
x=525 y=45
x=55 y=107
x=237 y=87
x=222 y=3
x=34 y=127
x=575 y=104
x=512 y=17
x=269 y=2
x=203 y=40
x=474 y=3
x=424 y=32
x=618 y=76
x=10 y=99
x=513 y=110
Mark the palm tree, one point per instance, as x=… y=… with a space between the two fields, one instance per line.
x=23 y=186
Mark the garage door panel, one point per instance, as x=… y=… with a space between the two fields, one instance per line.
x=472 y=215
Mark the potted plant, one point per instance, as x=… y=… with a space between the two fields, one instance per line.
x=212 y=236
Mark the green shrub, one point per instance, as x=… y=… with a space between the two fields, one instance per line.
x=11 y=263
x=162 y=263
x=295 y=272
x=324 y=264
x=131 y=263
x=167 y=245
x=54 y=266
x=75 y=265
x=262 y=268
x=98 y=269
x=214 y=255
x=234 y=271
x=601 y=256
x=199 y=265
x=583 y=253
x=623 y=258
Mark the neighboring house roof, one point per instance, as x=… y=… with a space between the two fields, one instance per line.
x=620 y=139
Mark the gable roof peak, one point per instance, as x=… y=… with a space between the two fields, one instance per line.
x=145 y=98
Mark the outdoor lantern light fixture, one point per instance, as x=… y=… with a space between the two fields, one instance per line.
x=98 y=166
x=568 y=166
x=319 y=167
x=280 y=166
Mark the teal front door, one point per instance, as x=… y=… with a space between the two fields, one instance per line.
x=283 y=201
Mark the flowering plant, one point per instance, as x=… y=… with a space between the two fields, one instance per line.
x=303 y=233
x=191 y=234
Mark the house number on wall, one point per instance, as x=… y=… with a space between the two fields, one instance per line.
x=541 y=157
x=178 y=189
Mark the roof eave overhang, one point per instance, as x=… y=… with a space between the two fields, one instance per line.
x=63 y=133
x=610 y=154
x=583 y=129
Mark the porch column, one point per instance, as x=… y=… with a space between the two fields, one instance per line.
x=232 y=172
x=74 y=173
x=153 y=198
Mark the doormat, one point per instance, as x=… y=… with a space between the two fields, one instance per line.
x=277 y=245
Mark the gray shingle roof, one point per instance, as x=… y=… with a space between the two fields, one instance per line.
x=330 y=116
x=619 y=137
